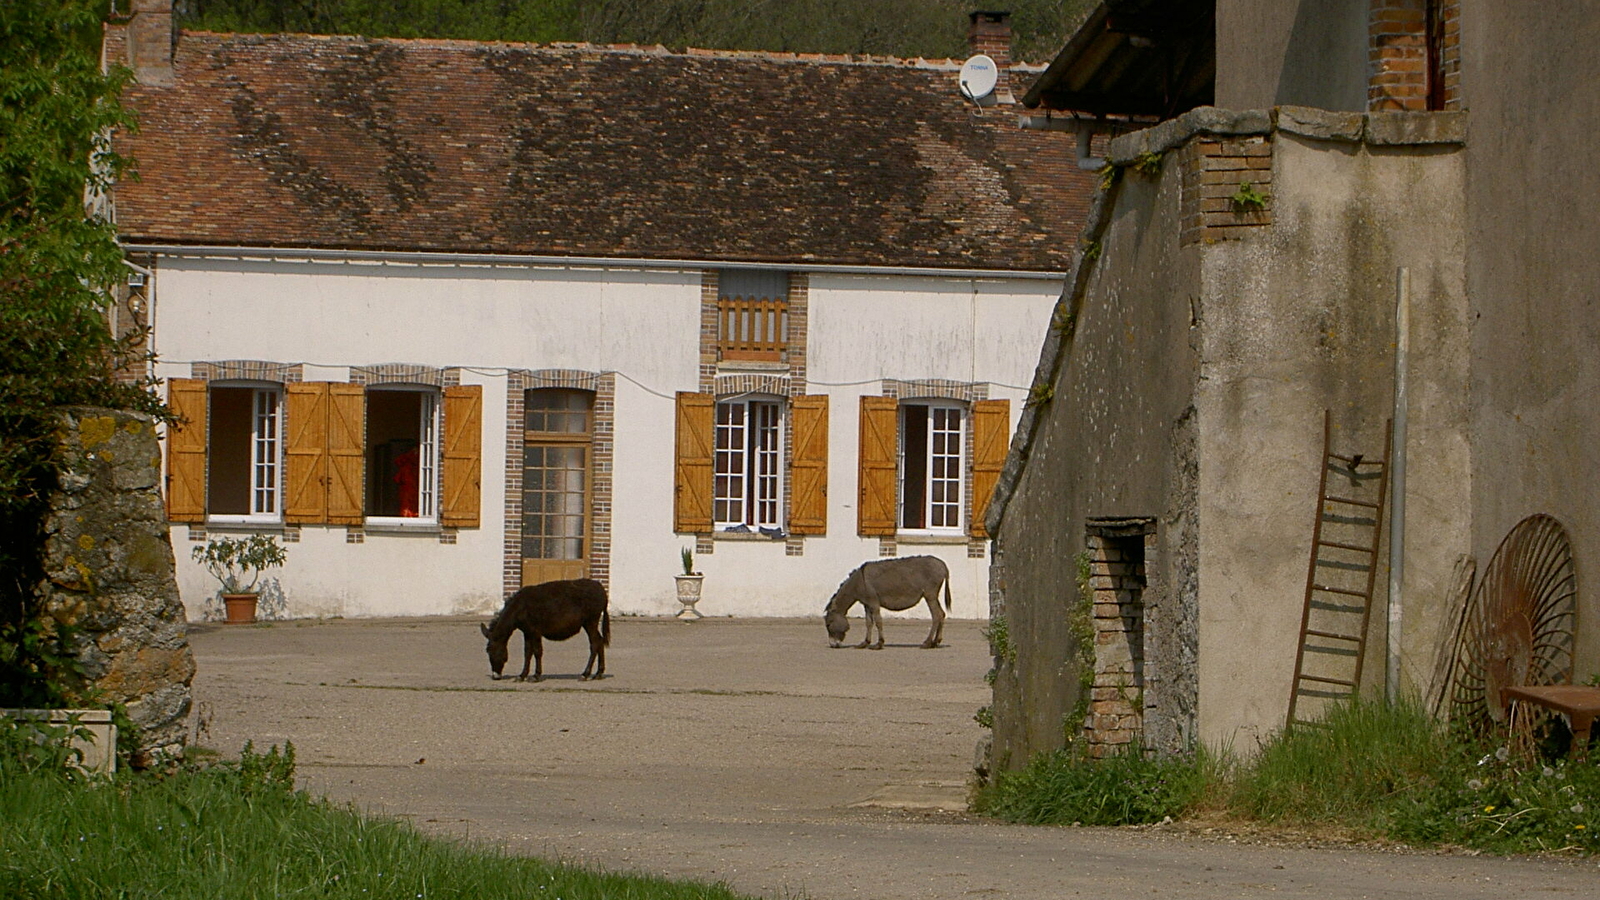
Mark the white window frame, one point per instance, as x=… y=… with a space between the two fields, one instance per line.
x=940 y=417
x=748 y=452
x=428 y=429
x=266 y=458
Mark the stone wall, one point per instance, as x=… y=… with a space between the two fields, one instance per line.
x=109 y=573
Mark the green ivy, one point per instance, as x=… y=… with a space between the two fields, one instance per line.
x=58 y=265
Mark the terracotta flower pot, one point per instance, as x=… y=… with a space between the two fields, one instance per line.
x=241 y=608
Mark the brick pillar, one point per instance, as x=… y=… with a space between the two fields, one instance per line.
x=990 y=34
x=150 y=40
x=1117 y=583
x=1400 y=64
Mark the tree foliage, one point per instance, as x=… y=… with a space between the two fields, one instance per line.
x=58 y=264
x=906 y=28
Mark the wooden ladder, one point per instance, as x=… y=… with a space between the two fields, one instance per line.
x=1345 y=537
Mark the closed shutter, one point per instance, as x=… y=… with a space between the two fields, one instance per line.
x=991 y=429
x=808 y=465
x=306 y=452
x=691 y=500
x=347 y=453
x=875 y=511
x=462 y=456
x=186 y=451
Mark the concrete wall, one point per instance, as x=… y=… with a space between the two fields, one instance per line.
x=1120 y=405
x=641 y=323
x=1300 y=317
x=1292 y=52
x=1532 y=272
x=1192 y=391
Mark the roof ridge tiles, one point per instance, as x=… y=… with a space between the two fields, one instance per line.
x=868 y=59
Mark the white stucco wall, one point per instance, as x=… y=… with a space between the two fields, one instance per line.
x=641 y=323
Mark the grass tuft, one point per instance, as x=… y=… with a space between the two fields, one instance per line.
x=1068 y=788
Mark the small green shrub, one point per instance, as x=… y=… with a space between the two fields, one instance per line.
x=1248 y=199
x=1068 y=788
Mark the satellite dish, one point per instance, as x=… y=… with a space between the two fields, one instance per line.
x=978 y=78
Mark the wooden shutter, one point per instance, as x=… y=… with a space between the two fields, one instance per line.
x=991 y=430
x=462 y=456
x=306 y=452
x=691 y=501
x=808 y=465
x=347 y=453
x=186 y=451
x=875 y=509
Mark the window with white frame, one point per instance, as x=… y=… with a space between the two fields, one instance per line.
x=932 y=447
x=244 y=477
x=749 y=454
x=402 y=453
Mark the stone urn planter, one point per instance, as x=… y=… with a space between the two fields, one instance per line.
x=689 y=595
x=689 y=584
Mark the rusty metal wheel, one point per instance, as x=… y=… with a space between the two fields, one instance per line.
x=1519 y=623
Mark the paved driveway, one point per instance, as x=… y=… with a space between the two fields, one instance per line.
x=737 y=750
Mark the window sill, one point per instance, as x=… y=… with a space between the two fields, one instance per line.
x=746 y=536
x=246 y=524
x=389 y=525
x=923 y=537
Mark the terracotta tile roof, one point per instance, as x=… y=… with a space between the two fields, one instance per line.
x=348 y=142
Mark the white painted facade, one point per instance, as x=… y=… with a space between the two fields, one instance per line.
x=640 y=321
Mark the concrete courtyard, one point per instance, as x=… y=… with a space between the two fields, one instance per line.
x=742 y=751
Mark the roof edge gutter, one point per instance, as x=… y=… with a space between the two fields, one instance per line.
x=488 y=260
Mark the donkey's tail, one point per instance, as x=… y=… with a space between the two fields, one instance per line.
x=605 y=627
x=947 y=593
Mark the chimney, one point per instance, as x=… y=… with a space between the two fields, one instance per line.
x=990 y=34
x=150 y=39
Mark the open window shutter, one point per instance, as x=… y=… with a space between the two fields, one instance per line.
x=306 y=452
x=991 y=428
x=808 y=465
x=186 y=451
x=875 y=511
x=347 y=452
x=691 y=504
x=463 y=455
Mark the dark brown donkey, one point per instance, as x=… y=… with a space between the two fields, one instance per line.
x=556 y=610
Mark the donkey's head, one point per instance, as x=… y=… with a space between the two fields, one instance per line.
x=497 y=650
x=838 y=626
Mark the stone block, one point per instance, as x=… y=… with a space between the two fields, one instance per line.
x=1320 y=124
x=1416 y=128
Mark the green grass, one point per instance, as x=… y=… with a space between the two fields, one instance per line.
x=1373 y=770
x=239 y=830
x=1068 y=788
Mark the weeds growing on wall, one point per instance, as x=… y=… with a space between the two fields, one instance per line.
x=1068 y=788
x=1371 y=770
x=58 y=264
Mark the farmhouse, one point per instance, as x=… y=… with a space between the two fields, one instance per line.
x=450 y=317
x=1351 y=212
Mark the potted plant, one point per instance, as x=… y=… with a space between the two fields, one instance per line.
x=688 y=587
x=231 y=561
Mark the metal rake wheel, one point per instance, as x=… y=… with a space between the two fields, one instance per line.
x=1517 y=628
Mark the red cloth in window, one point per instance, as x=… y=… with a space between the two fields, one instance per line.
x=405 y=476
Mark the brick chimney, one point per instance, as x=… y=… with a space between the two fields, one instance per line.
x=150 y=39
x=990 y=34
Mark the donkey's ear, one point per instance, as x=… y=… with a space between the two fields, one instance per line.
x=483 y=628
